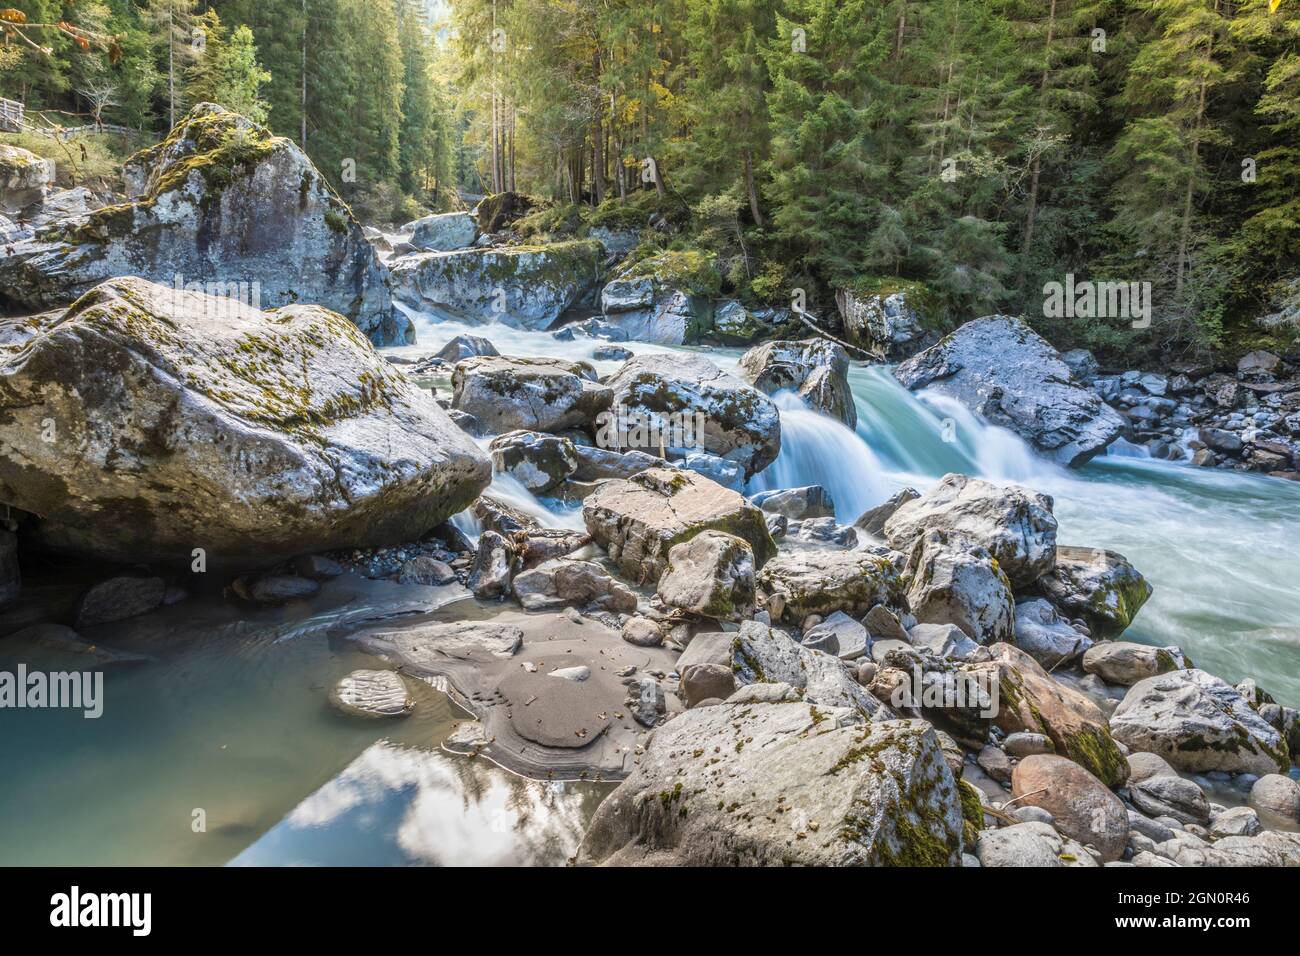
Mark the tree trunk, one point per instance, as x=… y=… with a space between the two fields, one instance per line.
x=1185 y=232
x=1032 y=210
x=751 y=191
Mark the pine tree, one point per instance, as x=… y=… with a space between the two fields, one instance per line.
x=226 y=71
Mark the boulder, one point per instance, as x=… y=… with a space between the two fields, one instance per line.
x=1269 y=849
x=643 y=632
x=1047 y=638
x=426 y=571
x=1029 y=700
x=800 y=583
x=273 y=590
x=645 y=314
x=796 y=504
x=1236 y=822
x=943 y=641
x=368 y=693
x=220 y=206
x=733 y=324
x=762 y=655
x=444 y=232
x=1198 y=722
x=694 y=401
x=639 y=520
x=1014 y=524
x=596 y=463
x=25 y=178
x=872 y=521
x=531 y=394
x=815 y=369
x=1170 y=796
x=184 y=421
x=1144 y=765
x=787 y=784
x=466 y=346
x=536 y=460
x=499 y=210
x=840 y=636
x=711 y=575
x=1031 y=844
x=118 y=598
x=1125 y=663
x=566 y=582
x=1005 y=372
x=494 y=566
x=526 y=287
x=1101 y=587
x=1081 y=806
x=884 y=322
x=952 y=582
x=1278 y=796
x=707 y=682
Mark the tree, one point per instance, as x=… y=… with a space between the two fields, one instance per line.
x=173 y=23
x=226 y=71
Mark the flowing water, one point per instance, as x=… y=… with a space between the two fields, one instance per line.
x=230 y=715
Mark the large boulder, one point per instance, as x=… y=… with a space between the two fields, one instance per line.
x=1081 y=806
x=956 y=583
x=1044 y=636
x=1003 y=370
x=817 y=370
x=884 y=322
x=221 y=206
x=1099 y=586
x=143 y=423
x=1198 y=722
x=711 y=410
x=538 y=461
x=782 y=784
x=523 y=286
x=639 y=520
x=1014 y=524
x=444 y=232
x=821 y=582
x=711 y=575
x=1029 y=700
x=25 y=178
x=528 y=394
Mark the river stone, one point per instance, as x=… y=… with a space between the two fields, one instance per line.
x=1081 y=806
x=10 y=575
x=953 y=582
x=444 y=232
x=1014 y=524
x=220 y=201
x=24 y=178
x=536 y=460
x=943 y=641
x=1165 y=796
x=815 y=369
x=427 y=571
x=1023 y=744
x=718 y=413
x=118 y=598
x=1099 y=586
x=1143 y=766
x=1049 y=640
x=494 y=566
x=840 y=636
x=566 y=582
x=1277 y=795
x=787 y=784
x=1031 y=844
x=1125 y=663
x=872 y=521
x=881 y=622
x=702 y=682
x=762 y=654
x=529 y=394
x=200 y=423
x=799 y=583
x=711 y=575
x=1030 y=700
x=1198 y=722
x=372 y=694
x=644 y=632
x=597 y=463
x=1237 y=821
x=526 y=287
x=466 y=346
x=796 y=504
x=1002 y=370
x=1272 y=848
x=420 y=646
x=639 y=520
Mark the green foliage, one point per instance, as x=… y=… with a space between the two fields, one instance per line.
x=227 y=72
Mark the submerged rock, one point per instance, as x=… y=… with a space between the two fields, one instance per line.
x=1001 y=369
x=118 y=598
x=525 y=287
x=368 y=693
x=222 y=202
x=817 y=370
x=788 y=783
x=183 y=421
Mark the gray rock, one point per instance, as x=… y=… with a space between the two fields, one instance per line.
x=643 y=632
x=707 y=682
x=317 y=567
x=880 y=621
x=762 y=654
x=369 y=693
x=1237 y=822
x=1101 y=587
x=711 y=575
x=944 y=641
x=25 y=178
x=840 y=636
x=566 y=582
x=1151 y=829
x=494 y=566
x=466 y=346
x=195 y=411
x=427 y=571
x=1014 y=524
x=776 y=693
x=786 y=784
x=994 y=762
x=885 y=321
x=1004 y=371
x=648 y=703
x=1124 y=663
x=1278 y=796
x=1048 y=639
x=1031 y=844
x=530 y=394
x=872 y=521
x=536 y=460
x=597 y=463
x=953 y=582
x=118 y=598
x=1144 y=765
x=822 y=531
x=1024 y=744
x=736 y=325
x=800 y=583
x=443 y=232
x=815 y=369
x=274 y=589
x=577 y=674
x=1171 y=796
x=611 y=353
x=796 y=504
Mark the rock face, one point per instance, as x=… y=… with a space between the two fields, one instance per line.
x=445 y=232
x=814 y=368
x=1081 y=806
x=1015 y=524
x=1099 y=586
x=523 y=286
x=788 y=784
x=711 y=575
x=959 y=584
x=24 y=178
x=1198 y=722
x=223 y=203
x=529 y=394
x=723 y=415
x=183 y=421
x=1004 y=371
x=800 y=583
x=639 y=520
